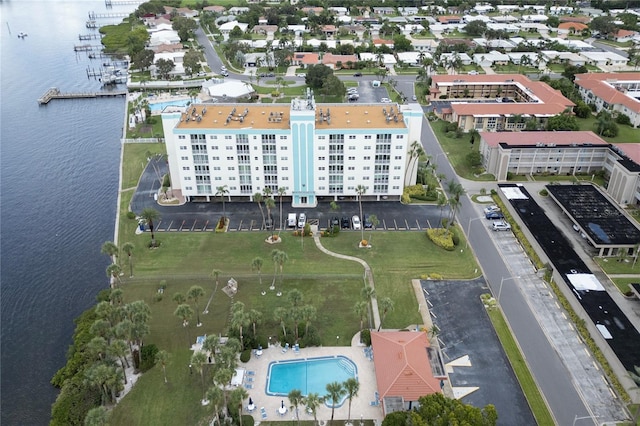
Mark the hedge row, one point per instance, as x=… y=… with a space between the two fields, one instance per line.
x=442 y=238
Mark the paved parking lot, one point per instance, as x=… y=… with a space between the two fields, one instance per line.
x=368 y=93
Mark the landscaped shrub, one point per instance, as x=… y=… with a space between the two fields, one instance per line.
x=365 y=337
x=544 y=192
x=441 y=237
x=131 y=215
x=148 y=357
x=245 y=355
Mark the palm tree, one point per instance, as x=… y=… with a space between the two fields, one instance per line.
x=280 y=258
x=386 y=305
x=282 y=191
x=361 y=309
x=222 y=377
x=211 y=344
x=128 y=248
x=280 y=315
x=238 y=395
x=110 y=249
x=415 y=152
x=361 y=190
x=367 y=294
x=215 y=396
x=351 y=386
x=97 y=347
x=179 y=298
x=258 y=198
x=255 y=318
x=185 y=313
x=335 y=392
x=442 y=201
x=195 y=292
x=198 y=359
x=239 y=319
x=113 y=272
x=270 y=203
x=295 y=398
x=312 y=402
x=455 y=192
x=102 y=328
x=163 y=357
x=150 y=215
x=222 y=191
x=374 y=224
x=119 y=348
x=97 y=416
x=308 y=313
x=115 y=296
x=256 y=264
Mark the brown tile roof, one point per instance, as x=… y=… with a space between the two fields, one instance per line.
x=307 y=58
x=625 y=33
x=445 y=19
x=217 y=9
x=329 y=28
x=402 y=365
x=330 y=58
x=551 y=101
x=379 y=41
x=602 y=85
x=534 y=138
x=577 y=26
x=583 y=19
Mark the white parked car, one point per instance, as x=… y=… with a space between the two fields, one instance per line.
x=301 y=75
x=302 y=220
x=355 y=221
x=501 y=225
x=491 y=209
x=385 y=100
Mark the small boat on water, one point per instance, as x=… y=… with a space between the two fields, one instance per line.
x=22 y=34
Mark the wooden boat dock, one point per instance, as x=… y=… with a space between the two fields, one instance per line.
x=54 y=93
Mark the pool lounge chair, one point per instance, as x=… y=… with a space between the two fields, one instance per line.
x=286 y=348
x=263 y=413
x=296 y=349
x=251 y=373
x=248 y=379
x=248 y=386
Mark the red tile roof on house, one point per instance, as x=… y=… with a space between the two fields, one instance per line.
x=379 y=41
x=552 y=101
x=216 y=9
x=631 y=150
x=402 y=365
x=329 y=28
x=602 y=85
x=330 y=58
x=534 y=138
x=577 y=26
x=447 y=19
x=625 y=33
x=583 y=19
x=307 y=58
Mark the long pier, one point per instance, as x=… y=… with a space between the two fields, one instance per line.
x=93 y=15
x=111 y=3
x=87 y=47
x=94 y=36
x=54 y=93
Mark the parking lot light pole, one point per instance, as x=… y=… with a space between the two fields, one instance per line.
x=502 y=282
x=469 y=229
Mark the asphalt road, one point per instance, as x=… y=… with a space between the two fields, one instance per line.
x=546 y=366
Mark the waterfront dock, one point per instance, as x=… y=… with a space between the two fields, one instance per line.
x=54 y=93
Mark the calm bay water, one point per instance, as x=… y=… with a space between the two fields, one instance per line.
x=58 y=191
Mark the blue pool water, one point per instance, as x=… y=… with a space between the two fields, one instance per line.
x=159 y=106
x=309 y=375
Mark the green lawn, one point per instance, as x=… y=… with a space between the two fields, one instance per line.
x=626 y=134
x=623 y=283
x=612 y=266
x=521 y=369
x=457 y=151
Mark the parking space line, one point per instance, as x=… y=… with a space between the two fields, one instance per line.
x=204 y=228
x=418 y=224
x=395 y=224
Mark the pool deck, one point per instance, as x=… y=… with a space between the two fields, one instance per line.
x=359 y=405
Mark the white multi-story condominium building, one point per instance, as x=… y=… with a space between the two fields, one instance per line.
x=564 y=153
x=617 y=93
x=311 y=150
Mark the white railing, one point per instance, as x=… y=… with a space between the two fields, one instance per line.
x=143 y=140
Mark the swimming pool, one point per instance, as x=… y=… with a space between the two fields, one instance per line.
x=310 y=375
x=159 y=106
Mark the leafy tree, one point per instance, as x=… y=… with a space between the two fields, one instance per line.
x=437 y=409
x=184 y=26
x=137 y=40
x=333 y=86
x=582 y=110
x=142 y=60
x=623 y=119
x=191 y=62
x=164 y=67
x=317 y=75
x=570 y=71
x=335 y=392
x=98 y=416
x=603 y=24
x=401 y=43
x=562 y=121
x=474 y=158
x=475 y=28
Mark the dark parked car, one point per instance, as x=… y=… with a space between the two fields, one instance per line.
x=334 y=221
x=358 y=74
x=494 y=215
x=367 y=222
x=345 y=223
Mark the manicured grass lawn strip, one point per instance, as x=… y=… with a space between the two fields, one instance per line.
x=398 y=257
x=626 y=134
x=612 y=266
x=623 y=283
x=527 y=383
x=457 y=151
x=135 y=160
